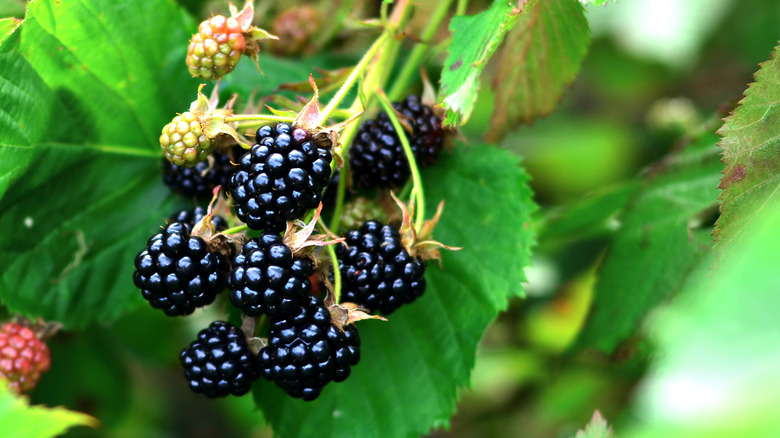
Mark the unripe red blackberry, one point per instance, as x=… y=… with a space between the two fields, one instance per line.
x=307 y=351
x=219 y=362
x=23 y=357
x=268 y=279
x=376 y=156
x=377 y=272
x=199 y=181
x=177 y=272
x=216 y=49
x=280 y=178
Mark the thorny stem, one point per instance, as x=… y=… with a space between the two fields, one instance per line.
x=417 y=190
x=336 y=274
x=356 y=72
x=412 y=63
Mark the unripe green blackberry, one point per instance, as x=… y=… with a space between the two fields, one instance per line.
x=183 y=142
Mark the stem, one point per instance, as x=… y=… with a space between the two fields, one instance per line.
x=258 y=118
x=336 y=274
x=359 y=68
x=413 y=62
x=417 y=191
x=462 y=6
x=236 y=230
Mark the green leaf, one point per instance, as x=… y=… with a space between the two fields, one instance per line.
x=474 y=40
x=751 y=144
x=85 y=89
x=660 y=241
x=542 y=53
x=79 y=178
x=413 y=365
x=594 y=2
x=7 y=26
x=21 y=420
x=596 y=428
x=716 y=374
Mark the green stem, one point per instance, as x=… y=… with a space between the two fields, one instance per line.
x=413 y=61
x=358 y=70
x=236 y=230
x=462 y=6
x=417 y=191
x=336 y=274
x=257 y=118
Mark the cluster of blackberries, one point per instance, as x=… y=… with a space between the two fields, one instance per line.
x=281 y=177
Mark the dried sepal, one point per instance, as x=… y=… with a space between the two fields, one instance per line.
x=213 y=120
x=344 y=314
x=421 y=244
x=300 y=237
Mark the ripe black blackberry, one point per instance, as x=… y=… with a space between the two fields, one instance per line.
x=268 y=279
x=219 y=362
x=307 y=351
x=376 y=156
x=192 y=217
x=377 y=272
x=199 y=181
x=177 y=272
x=281 y=177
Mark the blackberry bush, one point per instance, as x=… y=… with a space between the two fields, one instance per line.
x=177 y=272
x=281 y=177
x=307 y=350
x=377 y=158
x=268 y=279
x=219 y=362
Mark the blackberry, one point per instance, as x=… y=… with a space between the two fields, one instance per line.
x=23 y=357
x=280 y=178
x=183 y=142
x=177 y=272
x=377 y=272
x=376 y=156
x=307 y=351
x=199 y=181
x=217 y=47
x=219 y=362
x=268 y=279
x=192 y=217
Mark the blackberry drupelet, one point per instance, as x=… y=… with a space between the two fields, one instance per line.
x=377 y=272
x=268 y=279
x=307 y=351
x=192 y=217
x=377 y=157
x=177 y=272
x=280 y=178
x=219 y=362
x=199 y=181
x=23 y=357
